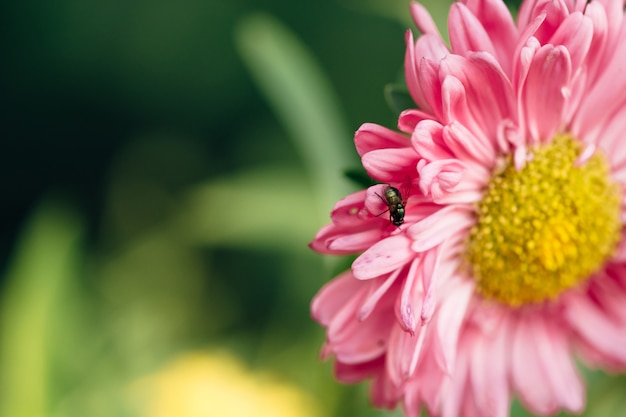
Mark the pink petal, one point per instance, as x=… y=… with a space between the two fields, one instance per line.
x=595 y=328
x=458 y=197
x=508 y=134
x=410 y=71
x=620 y=251
x=609 y=288
x=423 y=20
x=575 y=94
x=383 y=392
x=438 y=227
x=498 y=24
x=466 y=146
x=412 y=348
x=476 y=92
x=404 y=353
x=454 y=102
x=428 y=141
x=436 y=389
x=348 y=220
x=409 y=119
x=324 y=239
x=353 y=373
x=587 y=152
x=450 y=317
x=577 y=5
x=428 y=74
x=412 y=403
x=354 y=242
x=609 y=137
x=429 y=268
x=575 y=33
x=547 y=378
x=555 y=12
x=411 y=299
x=528 y=375
x=454 y=392
x=374 y=298
x=606 y=95
x=527 y=47
x=346 y=210
x=597 y=14
x=447 y=173
x=361 y=341
x=348 y=338
x=613 y=16
x=489 y=372
x=333 y=296
x=371 y=137
x=555 y=356
x=542 y=94
x=383 y=257
x=319 y=243
x=488 y=394
x=467 y=34
x=390 y=165
x=428 y=49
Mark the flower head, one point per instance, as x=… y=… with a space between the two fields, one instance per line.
x=510 y=258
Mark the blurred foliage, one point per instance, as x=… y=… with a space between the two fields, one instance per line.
x=164 y=165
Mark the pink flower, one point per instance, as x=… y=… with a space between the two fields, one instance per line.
x=510 y=262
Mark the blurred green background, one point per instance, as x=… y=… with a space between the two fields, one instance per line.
x=163 y=167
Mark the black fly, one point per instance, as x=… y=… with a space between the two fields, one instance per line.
x=395 y=205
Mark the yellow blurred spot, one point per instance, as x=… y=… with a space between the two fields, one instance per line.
x=218 y=385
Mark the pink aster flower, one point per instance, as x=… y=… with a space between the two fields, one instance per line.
x=509 y=261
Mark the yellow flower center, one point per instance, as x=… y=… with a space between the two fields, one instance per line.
x=543 y=229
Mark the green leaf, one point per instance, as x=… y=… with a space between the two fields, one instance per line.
x=270 y=209
x=261 y=208
x=46 y=261
x=302 y=98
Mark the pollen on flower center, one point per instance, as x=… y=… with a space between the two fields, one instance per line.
x=543 y=229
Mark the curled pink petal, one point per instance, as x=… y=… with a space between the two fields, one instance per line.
x=409 y=119
x=440 y=177
x=372 y=137
x=346 y=210
x=389 y=165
